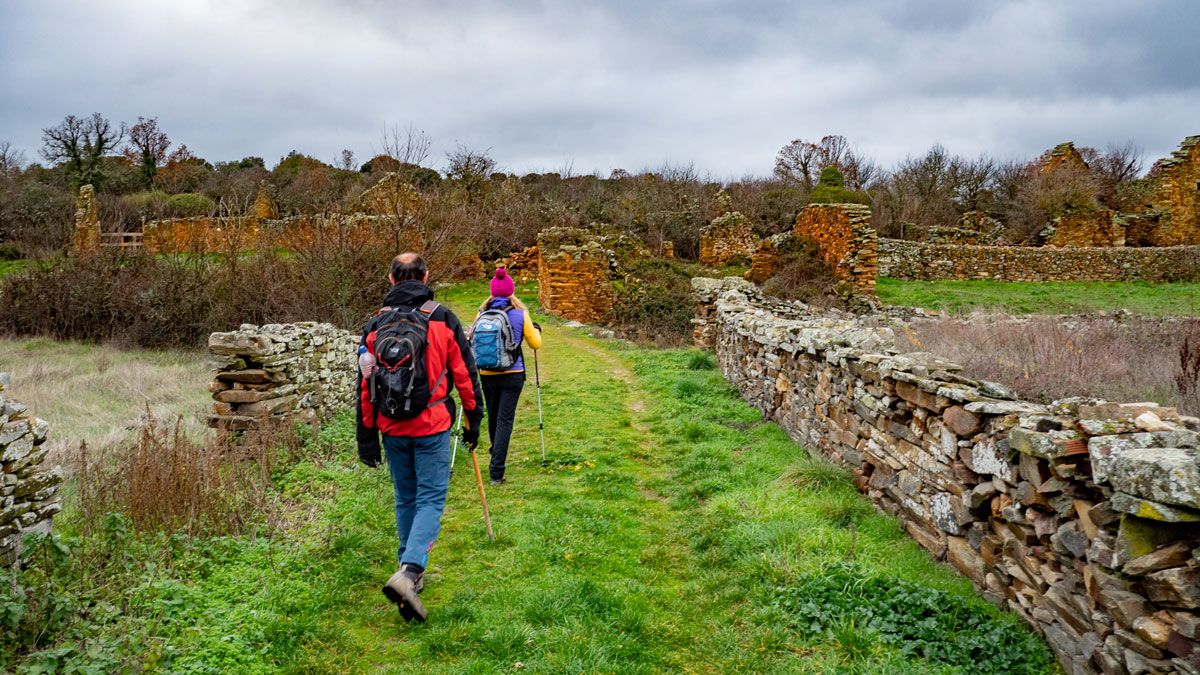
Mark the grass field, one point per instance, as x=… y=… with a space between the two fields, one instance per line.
x=97 y=393
x=671 y=531
x=1044 y=298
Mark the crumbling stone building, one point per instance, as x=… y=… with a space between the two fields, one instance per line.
x=1175 y=196
x=1169 y=215
x=729 y=238
x=575 y=272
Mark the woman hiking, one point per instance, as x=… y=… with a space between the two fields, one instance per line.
x=502 y=324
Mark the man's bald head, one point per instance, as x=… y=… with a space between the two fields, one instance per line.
x=408 y=267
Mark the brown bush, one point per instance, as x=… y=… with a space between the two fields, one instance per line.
x=176 y=301
x=163 y=480
x=1049 y=358
x=803 y=275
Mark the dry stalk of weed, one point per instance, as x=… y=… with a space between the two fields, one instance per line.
x=1048 y=358
x=164 y=480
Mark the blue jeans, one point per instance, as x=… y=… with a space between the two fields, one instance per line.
x=420 y=469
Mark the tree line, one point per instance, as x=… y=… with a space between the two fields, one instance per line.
x=140 y=173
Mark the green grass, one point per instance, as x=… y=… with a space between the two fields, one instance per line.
x=671 y=531
x=1059 y=297
x=8 y=267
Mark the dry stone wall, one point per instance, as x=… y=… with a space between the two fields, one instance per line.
x=1083 y=516
x=575 y=272
x=208 y=234
x=281 y=373
x=1099 y=227
x=521 y=265
x=29 y=495
x=848 y=243
x=915 y=260
x=729 y=238
x=768 y=257
x=1176 y=194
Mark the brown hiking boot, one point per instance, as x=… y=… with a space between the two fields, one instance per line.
x=402 y=588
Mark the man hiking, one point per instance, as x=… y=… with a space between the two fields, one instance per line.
x=411 y=352
x=502 y=324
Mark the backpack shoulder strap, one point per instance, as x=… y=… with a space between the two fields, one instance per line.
x=428 y=307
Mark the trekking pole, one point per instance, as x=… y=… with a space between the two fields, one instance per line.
x=454 y=448
x=487 y=518
x=537 y=378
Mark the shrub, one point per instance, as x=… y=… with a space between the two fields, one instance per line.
x=803 y=275
x=176 y=301
x=149 y=205
x=190 y=204
x=831 y=189
x=654 y=301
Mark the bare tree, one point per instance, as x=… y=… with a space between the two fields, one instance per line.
x=797 y=162
x=407 y=146
x=346 y=160
x=471 y=169
x=11 y=160
x=1117 y=166
x=80 y=144
x=147 y=148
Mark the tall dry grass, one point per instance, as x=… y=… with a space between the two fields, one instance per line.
x=1048 y=358
x=162 y=479
x=100 y=394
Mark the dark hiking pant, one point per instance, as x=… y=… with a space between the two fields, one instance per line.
x=500 y=395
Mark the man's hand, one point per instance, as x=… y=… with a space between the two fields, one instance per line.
x=368 y=447
x=472 y=419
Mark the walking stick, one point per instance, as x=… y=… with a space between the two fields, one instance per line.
x=454 y=448
x=537 y=378
x=487 y=518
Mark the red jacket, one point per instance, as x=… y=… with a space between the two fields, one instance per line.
x=447 y=351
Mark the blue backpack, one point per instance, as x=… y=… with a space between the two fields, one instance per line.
x=493 y=342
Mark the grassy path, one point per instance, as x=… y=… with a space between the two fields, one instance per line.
x=655 y=541
x=590 y=570
x=672 y=531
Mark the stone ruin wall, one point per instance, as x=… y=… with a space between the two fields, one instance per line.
x=276 y=373
x=85 y=237
x=727 y=239
x=29 y=491
x=1176 y=193
x=842 y=232
x=848 y=243
x=1102 y=227
x=928 y=262
x=521 y=265
x=768 y=257
x=1083 y=517
x=210 y=234
x=575 y=272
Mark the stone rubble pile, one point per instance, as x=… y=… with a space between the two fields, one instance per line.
x=1081 y=516
x=29 y=491
x=276 y=372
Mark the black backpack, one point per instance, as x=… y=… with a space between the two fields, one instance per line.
x=400 y=386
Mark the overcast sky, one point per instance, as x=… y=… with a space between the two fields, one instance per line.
x=600 y=85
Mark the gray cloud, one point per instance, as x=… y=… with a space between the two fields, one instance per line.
x=625 y=83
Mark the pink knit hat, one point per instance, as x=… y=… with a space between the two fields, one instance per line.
x=502 y=284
